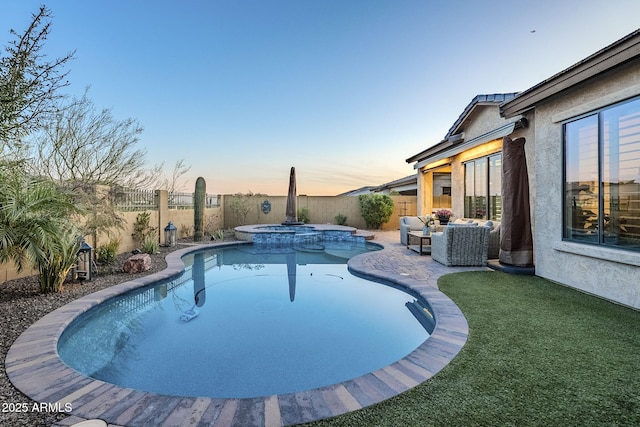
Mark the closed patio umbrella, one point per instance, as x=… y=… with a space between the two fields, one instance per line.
x=292 y=203
x=292 y=266
x=516 y=242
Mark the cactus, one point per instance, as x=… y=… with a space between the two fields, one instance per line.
x=198 y=208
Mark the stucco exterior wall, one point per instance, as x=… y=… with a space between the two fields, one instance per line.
x=610 y=273
x=480 y=121
x=483 y=119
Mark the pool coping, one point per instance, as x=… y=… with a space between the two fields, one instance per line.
x=34 y=367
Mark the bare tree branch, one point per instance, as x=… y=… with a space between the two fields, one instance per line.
x=81 y=144
x=29 y=84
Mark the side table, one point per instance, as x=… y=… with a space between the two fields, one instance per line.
x=423 y=246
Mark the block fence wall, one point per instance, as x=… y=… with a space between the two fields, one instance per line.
x=159 y=218
x=322 y=210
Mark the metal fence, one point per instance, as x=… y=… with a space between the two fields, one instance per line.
x=134 y=200
x=185 y=201
x=180 y=200
x=128 y=200
x=211 y=201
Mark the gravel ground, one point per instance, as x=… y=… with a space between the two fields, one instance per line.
x=22 y=304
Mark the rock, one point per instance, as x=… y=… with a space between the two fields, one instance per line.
x=137 y=264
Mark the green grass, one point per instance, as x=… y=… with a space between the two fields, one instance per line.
x=538 y=354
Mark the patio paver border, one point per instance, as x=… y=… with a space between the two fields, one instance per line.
x=34 y=367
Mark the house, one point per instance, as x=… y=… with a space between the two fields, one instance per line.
x=469 y=160
x=404 y=186
x=582 y=131
x=583 y=149
x=358 y=191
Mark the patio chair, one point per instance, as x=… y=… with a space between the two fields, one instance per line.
x=460 y=245
x=407 y=224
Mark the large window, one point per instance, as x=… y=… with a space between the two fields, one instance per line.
x=602 y=177
x=483 y=186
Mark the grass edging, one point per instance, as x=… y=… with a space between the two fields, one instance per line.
x=538 y=353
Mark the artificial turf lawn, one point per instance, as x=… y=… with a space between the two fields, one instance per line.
x=538 y=354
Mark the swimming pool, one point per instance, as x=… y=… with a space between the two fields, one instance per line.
x=247 y=322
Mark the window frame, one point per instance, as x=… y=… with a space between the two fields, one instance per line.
x=600 y=236
x=487 y=159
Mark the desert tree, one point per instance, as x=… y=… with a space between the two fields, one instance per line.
x=242 y=204
x=84 y=148
x=81 y=144
x=29 y=83
x=174 y=183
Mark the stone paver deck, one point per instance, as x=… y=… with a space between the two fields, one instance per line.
x=34 y=367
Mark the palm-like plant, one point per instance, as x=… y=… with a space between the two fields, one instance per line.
x=61 y=255
x=35 y=222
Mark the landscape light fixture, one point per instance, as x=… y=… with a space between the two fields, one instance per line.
x=82 y=270
x=170 y=235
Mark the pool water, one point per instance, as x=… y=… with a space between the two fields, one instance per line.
x=240 y=322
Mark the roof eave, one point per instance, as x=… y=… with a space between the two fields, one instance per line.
x=433 y=149
x=605 y=59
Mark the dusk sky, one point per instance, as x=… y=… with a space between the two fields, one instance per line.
x=344 y=90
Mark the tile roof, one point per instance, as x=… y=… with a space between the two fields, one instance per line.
x=407 y=180
x=494 y=98
x=486 y=99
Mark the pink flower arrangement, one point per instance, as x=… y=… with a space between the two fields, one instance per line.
x=444 y=213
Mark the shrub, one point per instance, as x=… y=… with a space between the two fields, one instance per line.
x=150 y=246
x=142 y=231
x=376 y=209
x=106 y=254
x=217 y=234
x=186 y=230
x=341 y=219
x=303 y=215
x=210 y=224
x=243 y=204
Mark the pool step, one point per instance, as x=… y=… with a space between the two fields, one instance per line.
x=368 y=235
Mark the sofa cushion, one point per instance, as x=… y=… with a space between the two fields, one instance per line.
x=494 y=225
x=413 y=222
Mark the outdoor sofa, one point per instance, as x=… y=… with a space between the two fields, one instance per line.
x=494 y=234
x=412 y=223
x=461 y=244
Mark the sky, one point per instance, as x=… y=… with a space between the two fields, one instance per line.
x=343 y=90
